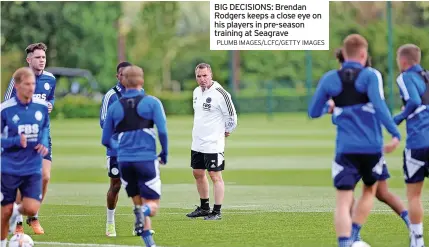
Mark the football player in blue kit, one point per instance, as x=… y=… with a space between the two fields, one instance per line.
x=383 y=194
x=359 y=113
x=133 y=118
x=45 y=90
x=413 y=83
x=25 y=132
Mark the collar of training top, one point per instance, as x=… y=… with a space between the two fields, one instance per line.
x=120 y=86
x=352 y=64
x=132 y=92
x=215 y=83
x=21 y=103
x=415 y=68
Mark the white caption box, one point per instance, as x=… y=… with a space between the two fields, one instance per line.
x=269 y=25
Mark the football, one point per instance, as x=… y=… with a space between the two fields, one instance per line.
x=21 y=240
x=360 y=244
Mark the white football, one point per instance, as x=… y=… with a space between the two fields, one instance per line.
x=360 y=244
x=21 y=240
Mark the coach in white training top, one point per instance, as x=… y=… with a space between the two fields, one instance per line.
x=214 y=119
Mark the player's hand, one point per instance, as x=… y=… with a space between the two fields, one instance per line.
x=402 y=108
x=227 y=134
x=23 y=140
x=49 y=107
x=398 y=119
x=162 y=158
x=391 y=146
x=41 y=149
x=331 y=104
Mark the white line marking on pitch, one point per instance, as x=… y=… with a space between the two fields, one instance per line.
x=84 y=245
x=240 y=212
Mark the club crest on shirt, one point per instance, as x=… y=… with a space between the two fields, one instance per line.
x=206 y=106
x=208 y=100
x=15 y=119
x=38 y=115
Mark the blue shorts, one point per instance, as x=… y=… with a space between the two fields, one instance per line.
x=348 y=169
x=416 y=165
x=384 y=173
x=141 y=178
x=49 y=155
x=30 y=186
x=112 y=167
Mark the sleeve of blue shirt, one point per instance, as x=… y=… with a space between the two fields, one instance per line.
x=318 y=104
x=7 y=141
x=105 y=104
x=375 y=94
x=51 y=97
x=410 y=94
x=108 y=129
x=10 y=92
x=160 y=121
x=45 y=131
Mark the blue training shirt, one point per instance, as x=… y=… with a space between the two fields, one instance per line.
x=412 y=87
x=358 y=126
x=108 y=99
x=45 y=87
x=30 y=119
x=136 y=145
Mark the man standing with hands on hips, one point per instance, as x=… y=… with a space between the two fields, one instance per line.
x=214 y=119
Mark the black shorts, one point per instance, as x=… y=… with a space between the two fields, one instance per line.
x=210 y=161
x=112 y=167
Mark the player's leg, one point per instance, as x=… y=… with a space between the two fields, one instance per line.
x=343 y=221
x=199 y=172
x=150 y=192
x=371 y=167
x=6 y=213
x=393 y=201
x=215 y=164
x=9 y=187
x=129 y=178
x=415 y=206
x=415 y=170
x=46 y=177
x=149 y=209
x=32 y=196
x=19 y=227
x=112 y=195
x=345 y=176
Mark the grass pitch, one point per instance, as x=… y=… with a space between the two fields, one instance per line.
x=278 y=189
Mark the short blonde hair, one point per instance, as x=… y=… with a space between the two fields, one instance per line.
x=133 y=76
x=21 y=74
x=411 y=53
x=353 y=43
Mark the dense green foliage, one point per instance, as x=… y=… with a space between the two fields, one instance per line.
x=181 y=104
x=169 y=38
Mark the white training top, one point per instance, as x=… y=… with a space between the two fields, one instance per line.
x=214 y=114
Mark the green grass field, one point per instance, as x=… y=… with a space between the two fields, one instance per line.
x=278 y=189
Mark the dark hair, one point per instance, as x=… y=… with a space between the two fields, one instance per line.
x=368 y=62
x=122 y=65
x=339 y=55
x=37 y=46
